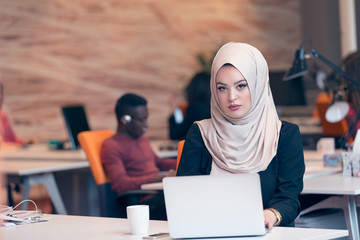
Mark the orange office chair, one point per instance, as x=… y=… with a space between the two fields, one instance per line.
x=179 y=152
x=111 y=204
x=337 y=129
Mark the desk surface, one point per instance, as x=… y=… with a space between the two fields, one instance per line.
x=26 y=167
x=315 y=166
x=165 y=148
x=38 y=158
x=307 y=125
x=41 y=151
x=37 y=164
x=332 y=184
x=313 y=162
x=60 y=227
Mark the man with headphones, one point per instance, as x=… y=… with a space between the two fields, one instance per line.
x=128 y=158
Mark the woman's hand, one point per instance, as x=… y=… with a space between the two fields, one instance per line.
x=270 y=219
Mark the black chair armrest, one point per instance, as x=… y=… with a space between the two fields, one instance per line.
x=136 y=192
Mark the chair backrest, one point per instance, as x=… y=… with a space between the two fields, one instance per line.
x=179 y=152
x=337 y=129
x=91 y=143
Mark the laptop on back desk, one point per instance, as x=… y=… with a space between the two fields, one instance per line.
x=214 y=206
x=76 y=122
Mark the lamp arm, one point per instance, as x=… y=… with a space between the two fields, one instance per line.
x=338 y=70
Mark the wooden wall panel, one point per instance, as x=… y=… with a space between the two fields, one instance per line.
x=55 y=52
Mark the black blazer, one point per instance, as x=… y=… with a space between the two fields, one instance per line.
x=281 y=182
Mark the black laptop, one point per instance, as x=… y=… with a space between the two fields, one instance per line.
x=76 y=122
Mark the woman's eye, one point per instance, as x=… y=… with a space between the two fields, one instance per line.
x=241 y=86
x=221 y=88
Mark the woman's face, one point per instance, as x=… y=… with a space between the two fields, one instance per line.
x=233 y=92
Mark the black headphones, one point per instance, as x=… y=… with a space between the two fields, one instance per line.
x=126 y=119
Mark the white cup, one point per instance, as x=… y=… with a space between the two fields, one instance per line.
x=138 y=217
x=326 y=146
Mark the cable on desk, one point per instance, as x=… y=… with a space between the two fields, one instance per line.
x=33 y=219
x=26 y=200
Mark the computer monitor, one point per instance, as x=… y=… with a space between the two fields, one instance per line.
x=76 y=122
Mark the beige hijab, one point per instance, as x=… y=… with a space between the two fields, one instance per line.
x=246 y=144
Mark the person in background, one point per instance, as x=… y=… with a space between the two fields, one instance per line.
x=245 y=135
x=351 y=65
x=198 y=106
x=7 y=133
x=128 y=158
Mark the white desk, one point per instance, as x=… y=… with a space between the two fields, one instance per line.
x=307 y=125
x=33 y=172
x=36 y=164
x=313 y=163
x=42 y=152
x=313 y=172
x=346 y=188
x=60 y=227
x=315 y=166
x=165 y=148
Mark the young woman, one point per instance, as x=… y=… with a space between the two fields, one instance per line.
x=245 y=135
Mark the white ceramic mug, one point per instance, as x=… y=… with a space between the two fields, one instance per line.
x=326 y=145
x=138 y=217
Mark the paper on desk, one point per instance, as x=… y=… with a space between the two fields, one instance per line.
x=9 y=218
x=17 y=216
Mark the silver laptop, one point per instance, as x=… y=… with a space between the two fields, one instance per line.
x=214 y=206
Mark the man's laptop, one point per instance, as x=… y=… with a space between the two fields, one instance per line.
x=214 y=206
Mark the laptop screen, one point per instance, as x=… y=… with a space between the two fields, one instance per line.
x=76 y=122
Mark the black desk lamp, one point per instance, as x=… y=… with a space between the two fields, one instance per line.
x=339 y=109
x=299 y=67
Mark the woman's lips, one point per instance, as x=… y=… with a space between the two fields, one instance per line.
x=234 y=107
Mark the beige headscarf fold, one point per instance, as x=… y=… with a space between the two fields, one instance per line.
x=247 y=144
